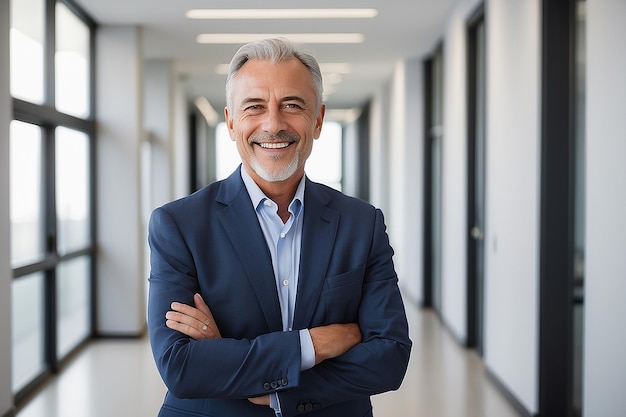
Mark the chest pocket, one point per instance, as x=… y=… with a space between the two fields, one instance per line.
x=342 y=296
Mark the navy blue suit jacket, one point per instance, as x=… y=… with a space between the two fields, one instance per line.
x=211 y=242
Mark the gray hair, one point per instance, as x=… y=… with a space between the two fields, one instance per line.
x=276 y=50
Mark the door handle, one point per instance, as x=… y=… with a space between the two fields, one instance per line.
x=476 y=233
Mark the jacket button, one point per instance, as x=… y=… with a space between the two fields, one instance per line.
x=308 y=407
x=267 y=386
x=301 y=408
x=284 y=382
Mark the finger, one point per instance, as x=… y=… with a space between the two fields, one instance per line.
x=185 y=329
x=187 y=310
x=201 y=305
x=264 y=400
x=192 y=312
x=191 y=326
x=204 y=309
x=184 y=319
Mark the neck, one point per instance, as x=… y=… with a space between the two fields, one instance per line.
x=281 y=192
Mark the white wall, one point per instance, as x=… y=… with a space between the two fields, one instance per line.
x=512 y=206
x=379 y=136
x=605 y=280
x=6 y=274
x=454 y=174
x=405 y=183
x=180 y=149
x=158 y=89
x=121 y=241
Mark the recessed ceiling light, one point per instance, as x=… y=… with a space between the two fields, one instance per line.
x=209 y=113
x=294 y=37
x=282 y=13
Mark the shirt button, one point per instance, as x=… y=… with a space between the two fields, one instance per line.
x=286 y=282
x=282 y=235
x=268 y=203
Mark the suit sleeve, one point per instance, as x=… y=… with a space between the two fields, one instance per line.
x=217 y=368
x=379 y=362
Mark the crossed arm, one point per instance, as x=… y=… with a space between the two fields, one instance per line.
x=198 y=323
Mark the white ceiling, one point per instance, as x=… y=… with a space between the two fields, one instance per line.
x=403 y=29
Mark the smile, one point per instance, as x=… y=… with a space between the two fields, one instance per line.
x=274 y=145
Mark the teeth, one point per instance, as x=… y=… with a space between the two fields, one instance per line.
x=274 y=145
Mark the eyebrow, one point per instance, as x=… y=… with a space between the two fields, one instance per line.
x=294 y=98
x=251 y=100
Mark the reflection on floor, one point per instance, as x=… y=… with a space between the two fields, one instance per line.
x=118 y=378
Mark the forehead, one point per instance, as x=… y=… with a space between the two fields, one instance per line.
x=286 y=77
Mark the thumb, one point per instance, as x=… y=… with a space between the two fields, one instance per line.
x=199 y=303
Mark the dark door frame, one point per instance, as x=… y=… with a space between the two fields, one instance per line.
x=474 y=237
x=427 y=268
x=431 y=130
x=556 y=209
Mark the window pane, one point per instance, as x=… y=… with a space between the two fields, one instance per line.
x=72 y=190
x=27 y=329
x=27 y=220
x=73 y=295
x=26 y=49
x=72 y=63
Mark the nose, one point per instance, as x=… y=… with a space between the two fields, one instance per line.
x=274 y=121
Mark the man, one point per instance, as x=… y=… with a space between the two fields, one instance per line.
x=271 y=294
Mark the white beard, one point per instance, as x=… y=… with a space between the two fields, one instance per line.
x=277 y=175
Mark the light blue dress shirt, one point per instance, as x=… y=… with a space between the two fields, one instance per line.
x=284 y=242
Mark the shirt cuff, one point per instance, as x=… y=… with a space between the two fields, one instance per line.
x=307 y=351
x=275 y=404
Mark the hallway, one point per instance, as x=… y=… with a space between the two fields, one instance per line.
x=118 y=378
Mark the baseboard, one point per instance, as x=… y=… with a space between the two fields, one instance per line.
x=521 y=410
x=114 y=335
x=462 y=343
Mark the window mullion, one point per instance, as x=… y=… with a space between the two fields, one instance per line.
x=49 y=53
x=50 y=302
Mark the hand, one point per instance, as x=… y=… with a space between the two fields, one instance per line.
x=264 y=400
x=196 y=322
x=334 y=340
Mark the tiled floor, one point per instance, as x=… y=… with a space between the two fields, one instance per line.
x=117 y=378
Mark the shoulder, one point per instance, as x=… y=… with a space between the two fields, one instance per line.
x=337 y=200
x=212 y=195
x=197 y=200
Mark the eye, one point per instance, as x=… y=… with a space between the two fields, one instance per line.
x=254 y=108
x=292 y=106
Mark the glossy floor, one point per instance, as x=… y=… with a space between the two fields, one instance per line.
x=118 y=378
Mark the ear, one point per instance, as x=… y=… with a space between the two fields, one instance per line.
x=229 y=123
x=319 y=121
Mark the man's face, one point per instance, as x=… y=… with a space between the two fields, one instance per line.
x=274 y=118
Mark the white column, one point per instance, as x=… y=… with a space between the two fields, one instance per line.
x=159 y=124
x=6 y=395
x=605 y=270
x=405 y=161
x=121 y=238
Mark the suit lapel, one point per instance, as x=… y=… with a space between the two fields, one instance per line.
x=243 y=230
x=318 y=237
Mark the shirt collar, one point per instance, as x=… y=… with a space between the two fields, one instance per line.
x=257 y=195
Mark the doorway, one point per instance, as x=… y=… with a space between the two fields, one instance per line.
x=433 y=86
x=476 y=60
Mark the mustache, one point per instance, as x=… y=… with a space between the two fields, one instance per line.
x=281 y=136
